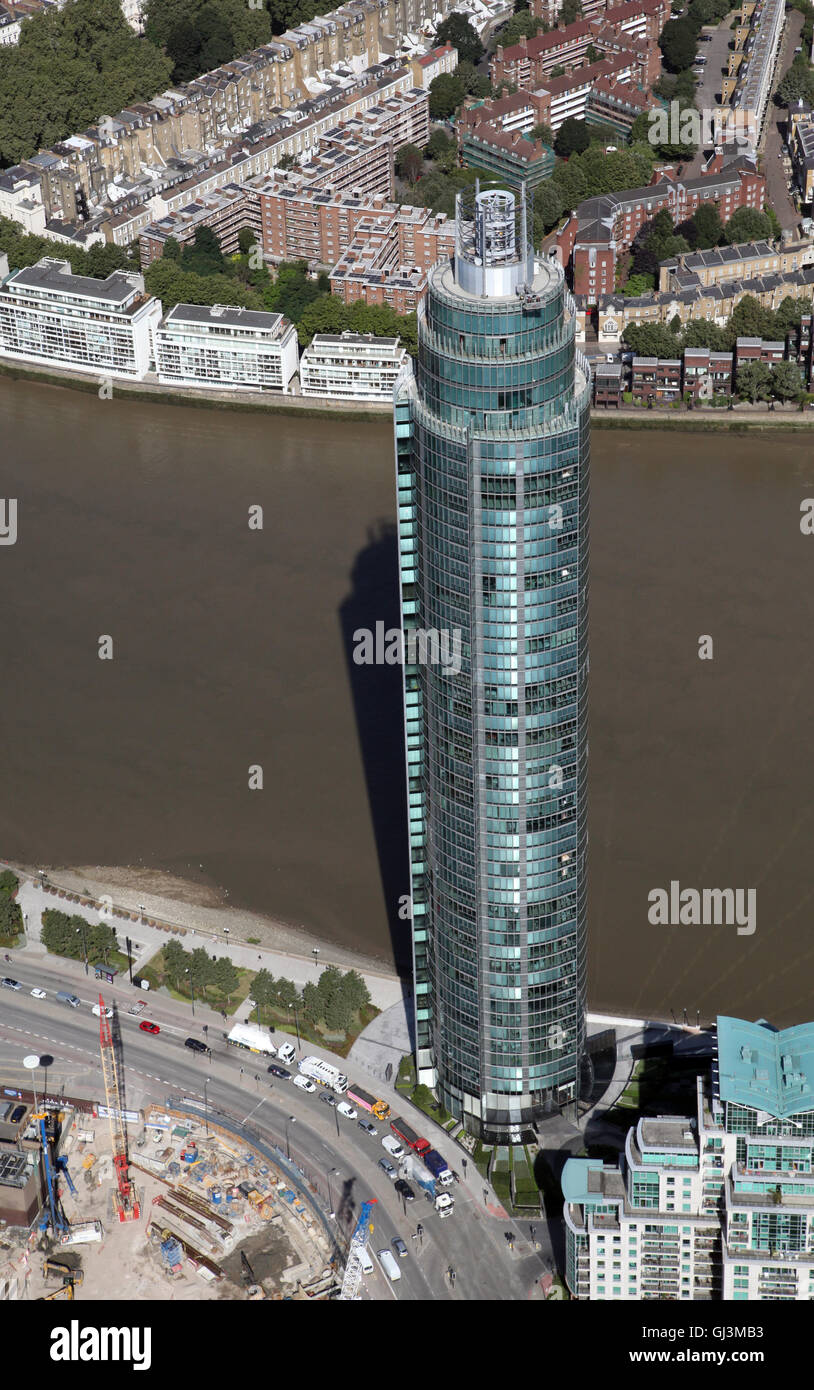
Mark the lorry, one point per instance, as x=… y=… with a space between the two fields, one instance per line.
x=379 y=1108
x=252 y=1037
x=408 y=1136
x=438 y=1167
x=444 y=1204
x=324 y=1074
x=411 y=1168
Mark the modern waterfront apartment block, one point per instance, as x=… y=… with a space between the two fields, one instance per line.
x=352 y=366
x=50 y=316
x=243 y=349
x=720 y=1205
x=492 y=446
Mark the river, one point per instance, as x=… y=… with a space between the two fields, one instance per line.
x=230 y=652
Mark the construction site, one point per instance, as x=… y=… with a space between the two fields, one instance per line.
x=101 y=1203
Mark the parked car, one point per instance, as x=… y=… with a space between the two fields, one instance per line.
x=97 y=1009
x=304 y=1084
x=399 y=1247
x=17 y=1114
x=39 y=994
x=347 y=1110
x=280 y=1071
x=8 y=983
x=387 y=1167
x=705 y=38
x=149 y=1027
x=367 y=1127
x=404 y=1190
x=328 y=1099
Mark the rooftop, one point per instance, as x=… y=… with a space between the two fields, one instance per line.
x=765 y=1068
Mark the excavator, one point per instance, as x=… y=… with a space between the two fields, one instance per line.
x=70 y=1279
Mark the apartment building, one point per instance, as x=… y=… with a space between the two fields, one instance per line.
x=226 y=212
x=752 y=65
x=603 y=228
x=634 y=28
x=699 y=374
x=640 y=18
x=740 y=262
x=313 y=224
x=801 y=144
x=50 y=316
x=389 y=257
x=716 y=303
x=717 y=1206
x=507 y=154
x=218 y=346
x=351 y=366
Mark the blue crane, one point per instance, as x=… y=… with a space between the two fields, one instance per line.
x=358 y=1241
x=53 y=1216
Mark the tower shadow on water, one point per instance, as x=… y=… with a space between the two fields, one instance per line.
x=377 y=700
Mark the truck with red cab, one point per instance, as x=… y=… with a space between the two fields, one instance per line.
x=408 y=1136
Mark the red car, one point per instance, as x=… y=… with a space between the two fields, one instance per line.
x=149 y=1027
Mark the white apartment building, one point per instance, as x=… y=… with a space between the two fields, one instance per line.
x=353 y=366
x=219 y=346
x=50 y=316
x=717 y=1207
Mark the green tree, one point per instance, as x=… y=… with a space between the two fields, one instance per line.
x=638 y=284
x=678 y=45
x=705 y=228
x=747 y=224
x=203 y=256
x=440 y=144
x=201 y=969
x=311 y=1003
x=753 y=381
x=797 y=85
x=172 y=249
x=409 y=163
x=287 y=994
x=9 y=882
x=572 y=137
x=475 y=84
x=245 y=240
x=651 y=340
x=199 y=35
x=749 y=319
x=263 y=991
x=787 y=381
x=326 y=314
x=457 y=30
x=548 y=205
x=542 y=132
x=11 y=917
x=226 y=976
x=338 y=1011
x=446 y=94
x=175 y=959
x=702 y=333
x=569 y=14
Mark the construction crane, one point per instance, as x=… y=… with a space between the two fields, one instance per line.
x=124 y=1199
x=53 y=1215
x=358 y=1242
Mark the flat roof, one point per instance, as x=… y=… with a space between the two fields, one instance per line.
x=225 y=315
x=766 y=1068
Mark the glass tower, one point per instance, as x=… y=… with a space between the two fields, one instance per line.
x=492 y=446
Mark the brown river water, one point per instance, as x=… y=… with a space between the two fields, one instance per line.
x=231 y=649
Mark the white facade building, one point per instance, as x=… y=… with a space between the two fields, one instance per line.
x=21 y=201
x=50 y=316
x=353 y=366
x=218 y=346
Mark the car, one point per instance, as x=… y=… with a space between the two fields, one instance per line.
x=705 y=38
x=279 y=1071
x=799 y=48
x=149 y=1027
x=39 y=994
x=8 y=983
x=304 y=1084
x=328 y=1099
x=97 y=1009
x=389 y=1265
x=347 y=1110
x=404 y=1190
x=387 y=1167
x=195 y=1045
x=17 y=1114
x=367 y=1127
x=399 y=1247
x=610 y=357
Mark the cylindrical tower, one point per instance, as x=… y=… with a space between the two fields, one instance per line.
x=492 y=444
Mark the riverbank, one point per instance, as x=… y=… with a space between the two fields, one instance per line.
x=743 y=419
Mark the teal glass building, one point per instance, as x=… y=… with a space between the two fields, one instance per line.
x=492 y=449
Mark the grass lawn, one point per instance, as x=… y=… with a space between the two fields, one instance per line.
x=480 y=1158
x=406 y=1079
x=154 y=972
x=501 y=1182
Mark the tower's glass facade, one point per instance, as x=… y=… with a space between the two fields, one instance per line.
x=492 y=444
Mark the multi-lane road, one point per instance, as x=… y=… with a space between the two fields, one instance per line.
x=331 y=1150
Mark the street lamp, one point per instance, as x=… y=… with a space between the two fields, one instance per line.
x=141 y=911
x=292 y=1120
x=315 y=954
x=84 y=946
x=207 y=1079
x=297 y=1022
x=191 y=989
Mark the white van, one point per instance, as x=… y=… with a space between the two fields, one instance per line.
x=389 y=1265
x=393 y=1146
x=365 y=1261
x=286 y=1054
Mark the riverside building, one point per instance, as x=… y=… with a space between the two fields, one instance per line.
x=49 y=315
x=492 y=444
x=352 y=366
x=720 y=1206
x=241 y=349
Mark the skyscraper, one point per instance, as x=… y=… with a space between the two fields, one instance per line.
x=492 y=442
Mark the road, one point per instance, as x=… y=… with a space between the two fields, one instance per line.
x=332 y=1151
x=777 y=189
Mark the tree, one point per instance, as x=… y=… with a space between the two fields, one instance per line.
x=287 y=994
x=651 y=340
x=747 y=224
x=200 y=968
x=457 y=30
x=311 y=1003
x=702 y=333
x=569 y=14
x=677 y=42
x=11 y=917
x=409 y=163
x=572 y=137
x=446 y=94
x=705 y=228
x=199 y=35
x=638 y=284
x=263 y=991
x=522 y=25
x=203 y=256
x=338 y=1011
x=245 y=240
x=787 y=381
x=326 y=314
x=9 y=882
x=226 y=976
x=797 y=85
x=475 y=84
x=355 y=990
x=753 y=381
x=439 y=144
x=548 y=205
x=175 y=960
x=542 y=132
